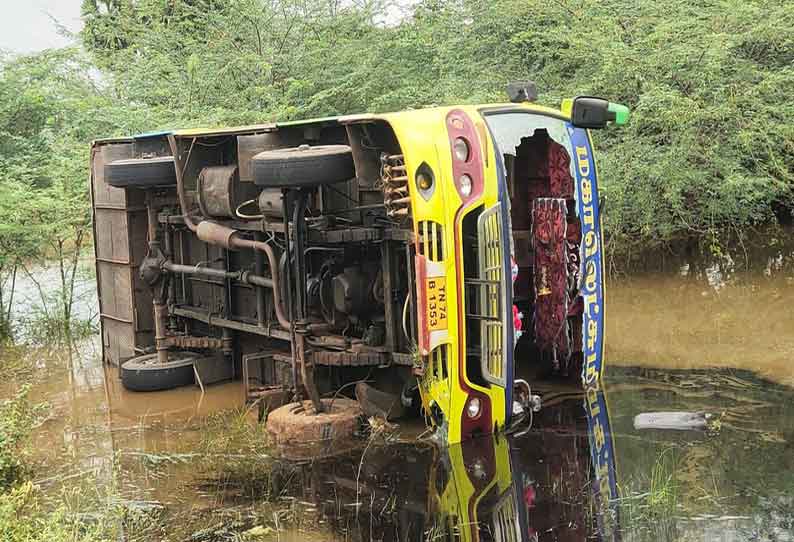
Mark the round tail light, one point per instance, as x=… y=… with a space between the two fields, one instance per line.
x=464 y=185
x=474 y=408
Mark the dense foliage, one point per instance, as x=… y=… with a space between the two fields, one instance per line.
x=708 y=154
x=50 y=109
x=710 y=149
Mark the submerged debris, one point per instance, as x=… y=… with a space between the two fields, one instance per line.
x=683 y=421
x=259 y=531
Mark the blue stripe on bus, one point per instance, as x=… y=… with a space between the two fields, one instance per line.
x=591 y=280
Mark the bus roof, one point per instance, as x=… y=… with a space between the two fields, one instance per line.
x=330 y=121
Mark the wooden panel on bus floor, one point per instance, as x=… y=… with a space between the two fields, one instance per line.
x=117 y=295
x=244 y=301
x=104 y=194
x=118 y=341
x=120 y=245
x=120 y=235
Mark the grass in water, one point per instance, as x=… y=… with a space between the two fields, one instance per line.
x=649 y=513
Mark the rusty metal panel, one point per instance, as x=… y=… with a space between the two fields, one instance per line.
x=138 y=234
x=144 y=310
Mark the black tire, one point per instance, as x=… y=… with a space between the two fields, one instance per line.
x=141 y=172
x=303 y=167
x=145 y=373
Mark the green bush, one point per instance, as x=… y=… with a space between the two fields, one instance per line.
x=709 y=150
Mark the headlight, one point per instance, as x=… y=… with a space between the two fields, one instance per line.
x=464 y=185
x=461 y=149
x=423 y=181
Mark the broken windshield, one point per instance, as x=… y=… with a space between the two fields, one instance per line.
x=508 y=129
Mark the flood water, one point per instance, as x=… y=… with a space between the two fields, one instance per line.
x=195 y=466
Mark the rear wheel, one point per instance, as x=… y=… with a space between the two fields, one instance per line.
x=300 y=433
x=141 y=172
x=303 y=167
x=145 y=373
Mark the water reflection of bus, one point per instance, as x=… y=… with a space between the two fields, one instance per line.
x=544 y=485
x=560 y=486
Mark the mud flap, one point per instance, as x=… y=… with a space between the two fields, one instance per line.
x=213 y=369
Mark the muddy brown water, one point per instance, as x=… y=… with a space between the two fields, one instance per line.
x=713 y=339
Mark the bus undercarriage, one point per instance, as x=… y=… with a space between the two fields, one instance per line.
x=317 y=261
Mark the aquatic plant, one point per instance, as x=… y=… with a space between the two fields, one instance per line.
x=663 y=493
x=24 y=517
x=16 y=420
x=648 y=505
x=22 y=520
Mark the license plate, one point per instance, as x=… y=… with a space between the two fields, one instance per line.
x=436 y=295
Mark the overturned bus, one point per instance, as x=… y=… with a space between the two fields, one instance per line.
x=419 y=261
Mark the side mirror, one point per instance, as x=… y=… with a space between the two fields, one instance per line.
x=594 y=113
x=522 y=91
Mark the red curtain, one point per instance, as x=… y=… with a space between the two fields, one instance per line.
x=550 y=247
